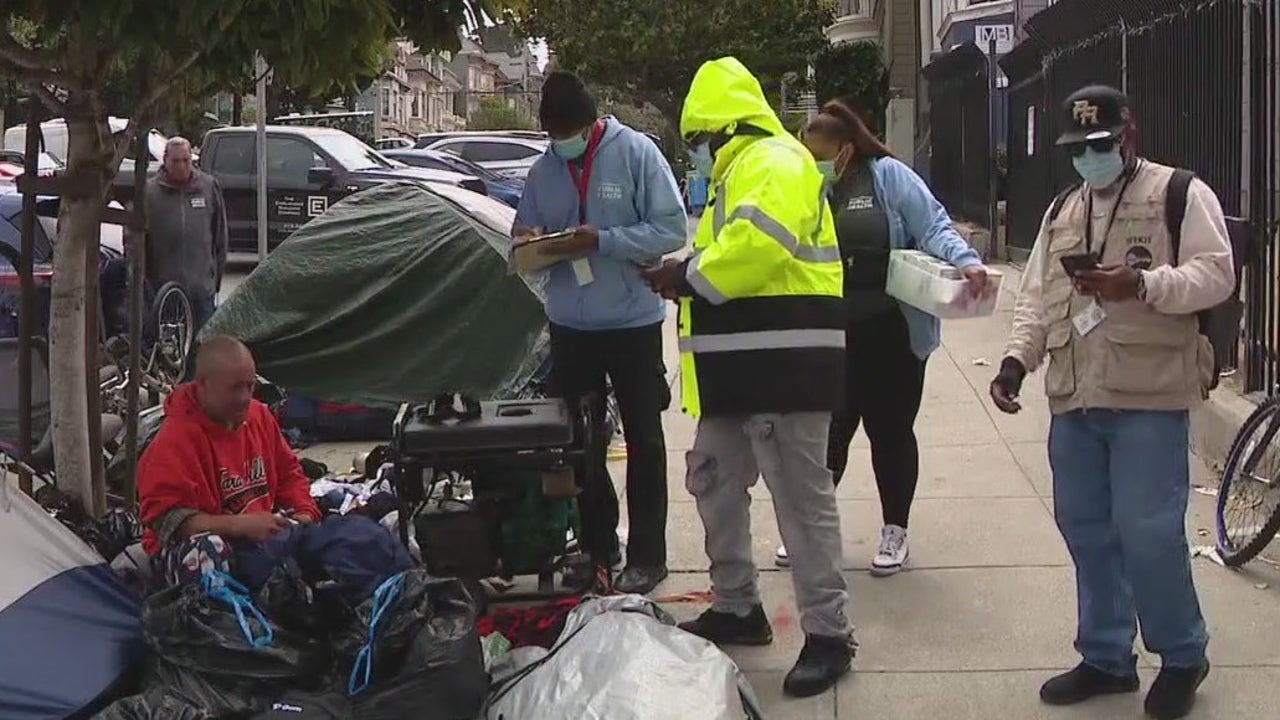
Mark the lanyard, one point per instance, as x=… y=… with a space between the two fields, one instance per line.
x=580 y=170
x=1111 y=218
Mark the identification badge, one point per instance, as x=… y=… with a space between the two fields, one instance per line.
x=582 y=271
x=197 y=202
x=1089 y=318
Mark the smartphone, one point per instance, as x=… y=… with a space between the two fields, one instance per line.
x=1076 y=264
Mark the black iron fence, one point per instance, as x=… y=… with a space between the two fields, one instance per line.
x=959 y=122
x=1203 y=76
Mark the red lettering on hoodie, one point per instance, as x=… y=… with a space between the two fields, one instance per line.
x=196 y=463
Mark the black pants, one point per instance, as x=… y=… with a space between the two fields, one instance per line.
x=631 y=359
x=885 y=383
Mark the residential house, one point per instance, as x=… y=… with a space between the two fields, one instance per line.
x=519 y=81
x=395 y=93
x=434 y=87
x=893 y=25
x=477 y=76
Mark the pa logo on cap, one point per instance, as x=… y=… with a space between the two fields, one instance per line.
x=1084 y=112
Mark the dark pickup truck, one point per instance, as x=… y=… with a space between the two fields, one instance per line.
x=308 y=169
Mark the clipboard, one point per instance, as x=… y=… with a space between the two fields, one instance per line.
x=527 y=256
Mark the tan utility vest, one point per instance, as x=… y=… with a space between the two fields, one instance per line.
x=1137 y=358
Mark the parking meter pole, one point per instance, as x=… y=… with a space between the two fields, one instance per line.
x=993 y=166
x=26 y=311
x=261 y=67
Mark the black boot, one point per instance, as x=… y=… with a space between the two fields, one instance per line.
x=1083 y=683
x=822 y=662
x=1173 y=693
x=725 y=628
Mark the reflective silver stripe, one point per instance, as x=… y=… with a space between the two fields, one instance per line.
x=774 y=229
x=763 y=340
x=702 y=285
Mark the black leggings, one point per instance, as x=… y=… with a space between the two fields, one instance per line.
x=885 y=383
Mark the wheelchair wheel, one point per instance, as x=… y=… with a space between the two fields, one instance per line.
x=1248 y=513
x=175 y=333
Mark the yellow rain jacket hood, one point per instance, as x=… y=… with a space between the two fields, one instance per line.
x=762 y=325
x=724 y=96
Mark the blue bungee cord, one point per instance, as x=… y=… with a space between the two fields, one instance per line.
x=383 y=598
x=224 y=588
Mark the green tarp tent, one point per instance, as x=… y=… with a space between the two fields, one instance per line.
x=397 y=293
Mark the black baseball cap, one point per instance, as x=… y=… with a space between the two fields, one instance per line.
x=1095 y=112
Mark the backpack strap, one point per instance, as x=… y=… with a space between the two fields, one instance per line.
x=1060 y=199
x=1175 y=207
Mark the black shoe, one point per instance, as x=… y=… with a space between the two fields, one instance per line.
x=640 y=579
x=1083 y=683
x=1173 y=693
x=823 y=661
x=723 y=628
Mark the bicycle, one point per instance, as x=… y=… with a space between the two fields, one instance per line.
x=1248 y=509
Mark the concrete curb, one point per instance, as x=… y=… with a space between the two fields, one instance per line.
x=1215 y=423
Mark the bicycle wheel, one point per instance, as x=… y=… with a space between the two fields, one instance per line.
x=175 y=332
x=1248 y=513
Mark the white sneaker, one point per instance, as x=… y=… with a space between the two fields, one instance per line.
x=780 y=558
x=893 y=553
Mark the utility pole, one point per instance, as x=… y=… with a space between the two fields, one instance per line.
x=261 y=68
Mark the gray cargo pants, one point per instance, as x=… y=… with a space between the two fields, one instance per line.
x=790 y=450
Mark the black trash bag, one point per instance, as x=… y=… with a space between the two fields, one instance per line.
x=287 y=599
x=306 y=706
x=203 y=655
x=425 y=652
x=154 y=705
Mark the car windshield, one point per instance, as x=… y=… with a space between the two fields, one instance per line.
x=470 y=168
x=350 y=153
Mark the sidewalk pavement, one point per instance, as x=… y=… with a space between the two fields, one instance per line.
x=985 y=611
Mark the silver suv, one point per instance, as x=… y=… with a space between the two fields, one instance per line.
x=508 y=156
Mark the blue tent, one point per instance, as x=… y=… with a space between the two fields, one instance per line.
x=69 y=630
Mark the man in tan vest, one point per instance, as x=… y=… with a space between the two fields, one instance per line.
x=1110 y=299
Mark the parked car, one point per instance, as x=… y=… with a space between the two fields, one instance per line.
x=425 y=140
x=506 y=189
x=12 y=165
x=393 y=143
x=508 y=156
x=308 y=169
x=109 y=248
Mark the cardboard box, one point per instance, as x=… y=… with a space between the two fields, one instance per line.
x=938 y=287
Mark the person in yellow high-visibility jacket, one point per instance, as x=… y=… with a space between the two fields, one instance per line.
x=762 y=362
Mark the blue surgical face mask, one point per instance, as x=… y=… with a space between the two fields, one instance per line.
x=702 y=159
x=570 y=148
x=827 y=168
x=1099 y=169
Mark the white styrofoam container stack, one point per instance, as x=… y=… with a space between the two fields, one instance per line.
x=938 y=287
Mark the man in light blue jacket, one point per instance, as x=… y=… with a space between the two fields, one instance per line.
x=612 y=187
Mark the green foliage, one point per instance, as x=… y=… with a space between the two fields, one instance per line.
x=855 y=73
x=85 y=54
x=652 y=48
x=495 y=114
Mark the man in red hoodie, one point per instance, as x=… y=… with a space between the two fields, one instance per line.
x=219 y=466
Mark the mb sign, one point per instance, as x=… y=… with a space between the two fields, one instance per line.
x=1002 y=34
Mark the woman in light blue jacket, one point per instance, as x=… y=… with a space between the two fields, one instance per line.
x=880 y=204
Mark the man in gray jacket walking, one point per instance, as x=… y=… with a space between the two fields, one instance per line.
x=186 y=230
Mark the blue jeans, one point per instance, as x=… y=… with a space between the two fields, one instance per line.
x=202 y=307
x=1120 y=487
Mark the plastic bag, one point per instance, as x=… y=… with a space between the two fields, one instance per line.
x=413 y=645
x=622 y=658
x=155 y=705
x=204 y=657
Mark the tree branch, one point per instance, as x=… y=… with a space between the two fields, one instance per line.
x=28 y=65
x=47 y=97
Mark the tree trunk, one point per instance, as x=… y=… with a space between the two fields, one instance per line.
x=79 y=227
x=237 y=108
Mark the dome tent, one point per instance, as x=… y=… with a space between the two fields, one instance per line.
x=397 y=293
x=69 y=629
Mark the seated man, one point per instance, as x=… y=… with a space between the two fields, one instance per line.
x=220 y=483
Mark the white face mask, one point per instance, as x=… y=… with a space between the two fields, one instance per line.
x=1099 y=169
